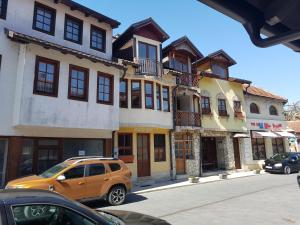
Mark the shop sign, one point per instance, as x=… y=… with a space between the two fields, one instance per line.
x=267 y=126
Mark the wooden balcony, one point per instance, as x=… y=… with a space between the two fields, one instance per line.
x=148 y=67
x=188 y=119
x=189 y=80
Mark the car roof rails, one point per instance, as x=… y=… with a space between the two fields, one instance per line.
x=89 y=158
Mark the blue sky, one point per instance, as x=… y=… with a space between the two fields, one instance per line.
x=275 y=69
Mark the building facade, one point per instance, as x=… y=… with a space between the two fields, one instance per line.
x=267 y=126
x=57 y=85
x=146 y=113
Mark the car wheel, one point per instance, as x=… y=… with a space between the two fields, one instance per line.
x=116 y=195
x=287 y=170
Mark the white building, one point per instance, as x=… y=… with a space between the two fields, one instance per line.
x=267 y=126
x=57 y=84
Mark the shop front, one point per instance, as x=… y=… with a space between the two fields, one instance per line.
x=35 y=155
x=266 y=139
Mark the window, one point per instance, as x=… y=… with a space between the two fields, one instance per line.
x=237 y=106
x=98 y=39
x=148 y=58
x=114 y=167
x=74 y=173
x=166 y=99
x=46 y=77
x=149 y=100
x=254 y=108
x=277 y=144
x=123 y=93
x=105 y=89
x=273 y=111
x=180 y=64
x=158 y=97
x=136 y=98
x=3 y=9
x=73 y=29
x=160 y=147
x=44 y=19
x=96 y=169
x=258 y=148
x=125 y=144
x=219 y=70
x=222 y=107
x=47 y=214
x=78 y=83
x=205 y=105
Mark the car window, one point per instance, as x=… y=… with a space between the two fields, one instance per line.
x=96 y=169
x=48 y=214
x=76 y=172
x=114 y=167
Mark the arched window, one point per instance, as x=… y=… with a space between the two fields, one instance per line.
x=254 y=108
x=273 y=110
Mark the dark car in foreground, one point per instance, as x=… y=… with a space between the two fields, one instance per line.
x=286 y=163
x=36 y=207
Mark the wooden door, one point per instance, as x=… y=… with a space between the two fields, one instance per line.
x=237 y=157
x=143 y=155
x=183 y=151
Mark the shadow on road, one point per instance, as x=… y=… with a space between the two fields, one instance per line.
x=131 y=198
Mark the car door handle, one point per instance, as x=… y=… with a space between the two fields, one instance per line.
x=81 y=183
x=106 y=179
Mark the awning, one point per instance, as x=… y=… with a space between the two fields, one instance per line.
x=285 y=134
x=241 y=135
x=261 y=134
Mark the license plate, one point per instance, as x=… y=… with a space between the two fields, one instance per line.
x=269 y=167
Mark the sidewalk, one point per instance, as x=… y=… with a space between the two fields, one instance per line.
x=171 y=184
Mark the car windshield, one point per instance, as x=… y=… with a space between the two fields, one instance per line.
x=54 y=170
x=281 y=156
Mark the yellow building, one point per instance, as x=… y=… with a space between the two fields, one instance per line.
x=223 y=113
x=146 y=115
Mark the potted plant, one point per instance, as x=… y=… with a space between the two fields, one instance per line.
x=193 y=179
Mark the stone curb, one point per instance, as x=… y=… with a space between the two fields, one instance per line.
x=191 y=184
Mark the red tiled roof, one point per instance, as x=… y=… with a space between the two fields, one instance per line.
x=294 y=125
x=262 y=93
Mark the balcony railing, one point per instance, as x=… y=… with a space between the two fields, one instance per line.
x=148 y=67
x=188 y=119
x=190 y=80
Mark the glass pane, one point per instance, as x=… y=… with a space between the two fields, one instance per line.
x=152 y=53
x=83 y=147
x=74 y=173
x=96 y=169
x=47 y=214
x=26 y=157
x=142 y=51
x=3 y=146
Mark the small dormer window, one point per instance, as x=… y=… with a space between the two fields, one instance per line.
x=219 y=70
x=180 y=64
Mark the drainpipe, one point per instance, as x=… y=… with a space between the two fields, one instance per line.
x=247 y=88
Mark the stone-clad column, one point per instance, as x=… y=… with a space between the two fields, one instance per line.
x=229 y=153
x=193 y=165
x=172 y=144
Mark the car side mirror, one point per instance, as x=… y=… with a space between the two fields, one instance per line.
x=61 y=178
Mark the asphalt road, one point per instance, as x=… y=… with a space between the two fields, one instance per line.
x=265 y=199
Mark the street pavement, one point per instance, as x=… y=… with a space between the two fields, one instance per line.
x=265 y=199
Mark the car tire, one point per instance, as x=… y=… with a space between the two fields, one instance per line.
x=116 y=195
x=287 y=170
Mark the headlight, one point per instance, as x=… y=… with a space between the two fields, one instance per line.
x=278 y=165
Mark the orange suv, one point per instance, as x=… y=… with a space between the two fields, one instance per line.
x=83 y=179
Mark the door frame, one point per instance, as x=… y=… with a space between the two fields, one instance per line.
x=236 y=143
x=2 y=182
x=149 y=152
